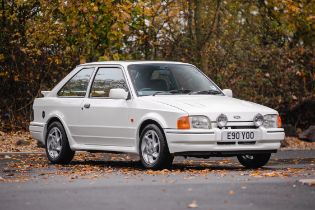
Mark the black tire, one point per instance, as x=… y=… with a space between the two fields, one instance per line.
x=164 y=159
x=254 y=161
x=66 y=154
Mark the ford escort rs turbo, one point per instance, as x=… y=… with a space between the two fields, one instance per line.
x=157 y=110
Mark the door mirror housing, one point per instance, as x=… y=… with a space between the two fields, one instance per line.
x=118 y=93
x=228 y=92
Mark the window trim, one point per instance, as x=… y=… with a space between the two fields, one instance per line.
x=93 y=78
x=57 y=94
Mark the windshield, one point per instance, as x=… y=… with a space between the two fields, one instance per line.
x=153 y=79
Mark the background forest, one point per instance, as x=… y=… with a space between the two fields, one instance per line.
x=262 y=49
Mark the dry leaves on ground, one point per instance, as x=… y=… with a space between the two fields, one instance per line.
x=193 y=204
x=94 y=165
x=18 y=142
x=309 y=182
x=293 y=143
x=22 y=141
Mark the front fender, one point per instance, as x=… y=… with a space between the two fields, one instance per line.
x=158 y=118
x=155 y=117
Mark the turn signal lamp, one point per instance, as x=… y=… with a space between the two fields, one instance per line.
x=183 y=123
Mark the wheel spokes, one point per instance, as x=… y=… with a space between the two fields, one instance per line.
x=155 y=155
x=54 y=146
x=150 y=147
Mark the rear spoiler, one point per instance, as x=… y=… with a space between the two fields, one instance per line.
x=44 y=93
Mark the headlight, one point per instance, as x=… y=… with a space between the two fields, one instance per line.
x=222 y=120
x=270 y=121
x=202 y=122
x=187 y=122
x=258 y=120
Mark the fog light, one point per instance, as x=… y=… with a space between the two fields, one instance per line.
x=222 y=120
x=258 y=120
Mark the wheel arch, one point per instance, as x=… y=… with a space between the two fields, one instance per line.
x=48 y=123
x=143 y=124
x=53 y=118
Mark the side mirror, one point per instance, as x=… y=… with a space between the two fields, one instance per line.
x=228 y=92
x=118 y=93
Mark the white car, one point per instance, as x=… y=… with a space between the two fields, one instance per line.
x=157 y=110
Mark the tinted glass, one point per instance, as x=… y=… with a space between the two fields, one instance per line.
x=106 y=79
x=77 y=85
x=170 y=79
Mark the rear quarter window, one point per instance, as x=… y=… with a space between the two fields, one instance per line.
x=78 y=84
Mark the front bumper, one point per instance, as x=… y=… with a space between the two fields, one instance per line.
x=199 y=140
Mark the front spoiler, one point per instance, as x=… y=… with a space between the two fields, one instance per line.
x=223 y=153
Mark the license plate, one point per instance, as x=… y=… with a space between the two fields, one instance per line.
x=239 y=135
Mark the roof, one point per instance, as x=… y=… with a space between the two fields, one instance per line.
x=130 y=62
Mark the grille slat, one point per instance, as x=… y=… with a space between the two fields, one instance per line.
x=226 y=143
x=240 y=127
x=247 y=142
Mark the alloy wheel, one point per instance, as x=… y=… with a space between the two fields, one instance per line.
x=150 y=147
x=54 y=142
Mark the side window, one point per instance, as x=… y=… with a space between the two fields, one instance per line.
x=77 y=85
x=106 y=79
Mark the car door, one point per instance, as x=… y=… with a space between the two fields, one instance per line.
x=106 y=121
x=71 y=97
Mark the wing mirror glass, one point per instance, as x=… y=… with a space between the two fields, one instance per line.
x=118 y=93
x=228 y=92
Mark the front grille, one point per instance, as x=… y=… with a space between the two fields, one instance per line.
x=247 y=142
x=226 y=143
x=240 y=127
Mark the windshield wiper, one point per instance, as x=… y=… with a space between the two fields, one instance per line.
x=184 y=91
x=160 y=93
x=212 y=92
x=180 y=91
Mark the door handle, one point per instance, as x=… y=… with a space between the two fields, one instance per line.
x=86 y=106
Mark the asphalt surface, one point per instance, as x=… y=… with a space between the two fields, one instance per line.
x=171 y=190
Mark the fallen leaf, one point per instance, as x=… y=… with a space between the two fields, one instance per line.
x=231 y=192
x=193 y=204
x=309 y=182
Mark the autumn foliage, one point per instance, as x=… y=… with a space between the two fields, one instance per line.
x=262 y=49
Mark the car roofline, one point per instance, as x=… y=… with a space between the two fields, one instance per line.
x=130 y=62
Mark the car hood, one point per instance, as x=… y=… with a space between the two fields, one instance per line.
x=212 y=106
